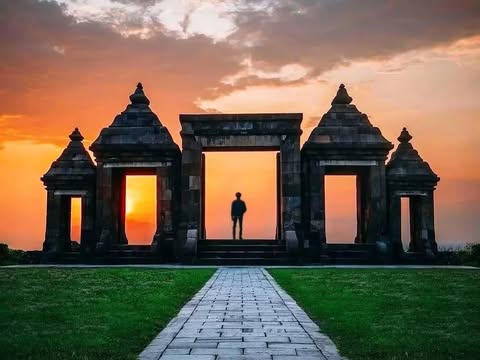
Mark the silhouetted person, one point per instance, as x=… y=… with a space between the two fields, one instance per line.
x=238 y=209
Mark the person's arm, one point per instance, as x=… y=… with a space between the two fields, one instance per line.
x=244 y=207
x=231 y=210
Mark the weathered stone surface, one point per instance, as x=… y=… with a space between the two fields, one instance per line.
x=74 y=169
x=71 y=175
x=136 y=133
x=343 y=143
x=241 y=314
x=136 y=143
x=250 y=132
x=409 y=176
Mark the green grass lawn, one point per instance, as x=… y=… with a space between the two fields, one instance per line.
x=89 y=313
x=392 y=314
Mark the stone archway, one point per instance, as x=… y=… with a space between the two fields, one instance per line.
x=240 y=132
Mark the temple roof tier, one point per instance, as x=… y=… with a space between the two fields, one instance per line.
x=136 y=133
x=344 y=132
x=407 y=165
x=74 y=164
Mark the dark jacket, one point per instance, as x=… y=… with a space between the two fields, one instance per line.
x=238 y=208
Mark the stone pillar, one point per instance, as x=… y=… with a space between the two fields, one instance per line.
x=291 y=191
x=88 y=223
x=121 y=186
x=376 y=204
x=428 y=225
x=415 y=224
x=53 y=244
x=361 y=180
x=104 y=205
x=191 y=192
x=395 y=223
x=316 y=211
x=422 y=225
x=163 y=240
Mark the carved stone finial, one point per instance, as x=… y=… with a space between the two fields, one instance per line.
x=405 y=136
x=138 y=97
x=76 y=135
x=342 y=97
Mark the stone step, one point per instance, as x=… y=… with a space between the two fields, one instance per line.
x=244 y=261
x=351 y=254
x=238 y=242
x=241 y=254
x=130 y=247
x=127 y=253
x=355 y=247
x=255 y=248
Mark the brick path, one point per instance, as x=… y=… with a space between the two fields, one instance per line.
x=241 y=313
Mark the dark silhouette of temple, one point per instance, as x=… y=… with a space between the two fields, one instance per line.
x=343 y=143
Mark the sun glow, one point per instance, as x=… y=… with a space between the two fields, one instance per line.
x=129 y=201
x=140 y=209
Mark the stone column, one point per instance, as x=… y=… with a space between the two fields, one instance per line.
x=376 y=204
x=191 y=192
x=415 y=224
x=104 y=205
x=163 y=240
x=121 y=186
x=291 y=191
x=428 y=224
x=53 y=244
x=316 y=212
x=395 y=223
x=362 y=194
x=88 y=223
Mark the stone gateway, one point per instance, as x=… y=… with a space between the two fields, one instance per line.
x=343 y=143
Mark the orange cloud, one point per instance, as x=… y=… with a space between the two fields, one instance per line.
x=57 y=72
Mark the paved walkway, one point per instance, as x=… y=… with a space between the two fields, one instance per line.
x=241 y=313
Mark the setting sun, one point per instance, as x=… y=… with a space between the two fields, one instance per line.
x=140 y=209
x=129 y=201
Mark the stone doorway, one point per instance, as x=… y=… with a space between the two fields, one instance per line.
x=229 y=172
x=240 y=132
x=341 y=209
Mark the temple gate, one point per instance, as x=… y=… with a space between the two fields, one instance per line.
x=343 y=143
x=240 y=132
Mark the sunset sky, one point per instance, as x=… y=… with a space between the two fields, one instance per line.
x=73 y=63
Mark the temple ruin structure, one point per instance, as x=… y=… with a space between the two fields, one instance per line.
x=343 y=143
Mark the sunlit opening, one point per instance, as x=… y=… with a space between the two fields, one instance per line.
x=405 y=219
x=76 y=219
x=140 y=209
x=340 y=208
x=254 y=175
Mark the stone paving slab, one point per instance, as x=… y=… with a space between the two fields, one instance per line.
x=241 y=313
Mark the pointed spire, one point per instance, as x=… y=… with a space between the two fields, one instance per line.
x=342 y=97
x=76 y=135
x=138 y=97
x=405 y=136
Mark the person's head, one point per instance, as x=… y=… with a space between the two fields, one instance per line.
x=238 y=195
